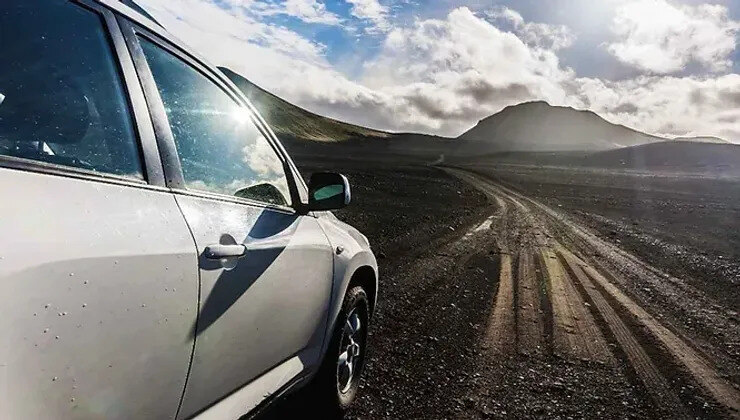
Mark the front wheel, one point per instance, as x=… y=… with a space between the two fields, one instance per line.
x=338 y=379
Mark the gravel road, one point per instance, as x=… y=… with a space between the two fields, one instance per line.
x=499 y=306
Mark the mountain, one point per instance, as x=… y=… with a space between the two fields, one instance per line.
x=555 y=134
x=290 y=121
x=539 y=127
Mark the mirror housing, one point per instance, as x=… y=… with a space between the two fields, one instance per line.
x=328 y=191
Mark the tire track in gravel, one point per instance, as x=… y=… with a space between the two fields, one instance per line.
x=500 y=333
x=530 y=331
x=645 y=369
x=571 y=284
x=575 y=333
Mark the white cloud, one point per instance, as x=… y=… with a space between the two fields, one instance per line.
x=260 y=158
x=371 y=10
x=543 y=35
x=446 y=73
x=234 y=35
x=442 y=75
x=669 y=106
x=310 y=11
x=659 y=37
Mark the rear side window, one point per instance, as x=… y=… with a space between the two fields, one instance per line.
x=61 y=95
x=220 y=148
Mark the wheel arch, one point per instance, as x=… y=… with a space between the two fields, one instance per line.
x=366 y=277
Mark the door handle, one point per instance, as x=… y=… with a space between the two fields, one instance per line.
x=217 y=252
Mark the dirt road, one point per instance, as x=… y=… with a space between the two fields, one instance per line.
x=493 y=305
x=559 y=296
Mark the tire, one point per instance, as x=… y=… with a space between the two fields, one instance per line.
x=333 y=388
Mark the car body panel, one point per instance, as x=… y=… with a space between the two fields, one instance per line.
x=126 y=255
x=262 y=308
x=355 y=254
x=250 y=396
x=99 y=287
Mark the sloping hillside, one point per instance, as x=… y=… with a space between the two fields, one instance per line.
x=288 y=120
x=538 y=127
x=672 y=155
x=702 y=139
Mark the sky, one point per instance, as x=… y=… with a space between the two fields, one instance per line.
x=666 y=67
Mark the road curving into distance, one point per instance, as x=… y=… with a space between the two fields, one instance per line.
x=561 y=294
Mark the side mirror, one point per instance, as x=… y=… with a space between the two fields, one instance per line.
x=328 y=191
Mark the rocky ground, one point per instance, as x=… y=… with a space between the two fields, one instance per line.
x=688 y=225
x=496 y=306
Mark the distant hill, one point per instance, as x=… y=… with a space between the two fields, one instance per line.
x=288 y=120
x=702 y=139
x=539 y=127
x=672 y=155
x=667 y=157
x=532 y=131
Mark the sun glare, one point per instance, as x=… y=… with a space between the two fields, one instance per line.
x=240 y=115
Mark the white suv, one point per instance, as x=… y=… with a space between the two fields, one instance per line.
x=160 y=255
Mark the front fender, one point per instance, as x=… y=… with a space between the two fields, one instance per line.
x=351 y=252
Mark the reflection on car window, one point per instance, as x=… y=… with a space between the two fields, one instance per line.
x=328 y=192
x=220 y=148
x=61 y=97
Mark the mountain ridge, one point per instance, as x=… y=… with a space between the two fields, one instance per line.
x=287 y=119
x=538 y=126
x=534 y=126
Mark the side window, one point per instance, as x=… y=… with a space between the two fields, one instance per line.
x=220 y=148
x=61 y=94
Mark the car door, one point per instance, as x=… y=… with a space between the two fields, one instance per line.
x=98 y=275
x=266 y=272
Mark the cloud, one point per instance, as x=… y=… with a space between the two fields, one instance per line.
x=542 y=35
x=372 y=11
x=659 y=37
x=453 y=71
x=669 y=106
x=310 y=11
x=234 y=34
x=442 y=75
